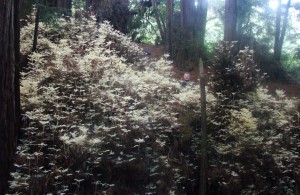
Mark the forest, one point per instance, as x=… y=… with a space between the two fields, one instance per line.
x=166 y=97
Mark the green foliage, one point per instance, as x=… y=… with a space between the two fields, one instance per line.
x=48 y=14
x=291 y=64
x=78 y=4
x=143 y=25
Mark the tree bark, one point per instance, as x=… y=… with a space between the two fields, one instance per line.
x=188 y=11
x=181 y=14
x=8 y=117
x=64 y=6
x=69 y=4
x=36 y=29
x=169 y=27
x=277 y=31
x=193 y=25
x=88 y=4
x=115 y=11
x=17 y=17
x=193 y=18
x=201 y=23
x=280 y=32
x=230 y=20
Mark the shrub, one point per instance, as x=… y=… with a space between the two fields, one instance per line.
x=233 y=73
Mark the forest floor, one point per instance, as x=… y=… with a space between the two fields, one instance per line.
x=291 y=88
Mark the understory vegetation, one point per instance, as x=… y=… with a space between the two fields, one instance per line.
x=100 y=117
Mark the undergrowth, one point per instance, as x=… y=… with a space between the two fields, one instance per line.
x=99 y=117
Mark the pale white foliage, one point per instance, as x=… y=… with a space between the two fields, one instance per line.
x=89 y=85
x=242 y=122
x=137 y=96
x=272 y=110
x=190 y=94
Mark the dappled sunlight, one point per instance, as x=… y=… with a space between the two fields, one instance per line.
x=100 y=116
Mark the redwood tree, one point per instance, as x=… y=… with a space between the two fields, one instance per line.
x=169 y=26
x=193 y=18
x=230 y=20
x=115 y=11
x=9 y=118
x=188 y=13
x=201 y=17
x=280 y=30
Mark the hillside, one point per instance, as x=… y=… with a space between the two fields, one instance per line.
x=100 y=117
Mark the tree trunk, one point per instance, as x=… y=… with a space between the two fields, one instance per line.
x=88 y=4
x=64 y=6
x=230 y=20
x=17 y=17
x=115 y=11
x=169 y=27
x=181 y=14
x=67 y=7
x=188 y=10
x=201 y=16
x=8 y=117
x=280 y=35
x=193 y=18
x=36 y=29
x=59 y=4
x=277 y=31
x=69 y=4
x=193 y=26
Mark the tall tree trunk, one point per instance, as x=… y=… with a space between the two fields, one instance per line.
x=230 y=20
x=36 y=29
x=181 y=14
x=169 y=27
x=193 y=18
x=280 y=32
x=17 y=17
x=88 y=4
x=115 y=11
x=69 y=7
x=193 y=25
x=201 y=23
x=188 y=10
x=64 y=6
x=59 y=3
x=8 y=117
x=277 y=31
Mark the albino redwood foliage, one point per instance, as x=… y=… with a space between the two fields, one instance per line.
x=99 y=114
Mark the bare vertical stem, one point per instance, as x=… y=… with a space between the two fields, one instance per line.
x=203 y=175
